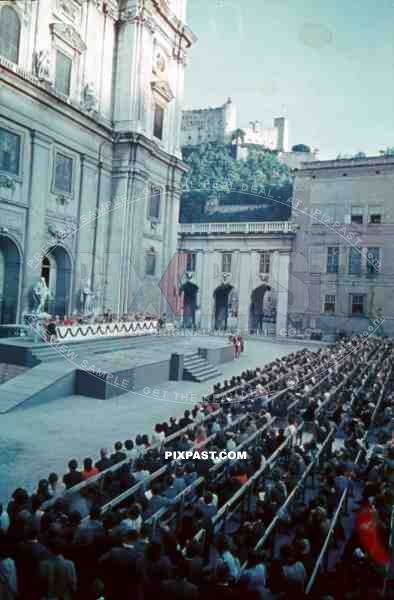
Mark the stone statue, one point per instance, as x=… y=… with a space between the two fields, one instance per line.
x=42 y=294
x=87 y=300
x=90 y=98
x=43 y=65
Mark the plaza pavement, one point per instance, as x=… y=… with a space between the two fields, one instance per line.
x=37 y=440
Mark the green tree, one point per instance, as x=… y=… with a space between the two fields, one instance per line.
x=213 y=169
x=301 y=148
x=238 y=136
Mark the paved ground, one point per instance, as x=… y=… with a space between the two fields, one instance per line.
x=41 y=439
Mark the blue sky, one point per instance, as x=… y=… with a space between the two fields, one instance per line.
x=327 y=66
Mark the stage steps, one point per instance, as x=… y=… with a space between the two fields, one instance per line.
x=196 y=368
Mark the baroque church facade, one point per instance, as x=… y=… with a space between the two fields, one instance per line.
x=91 y=95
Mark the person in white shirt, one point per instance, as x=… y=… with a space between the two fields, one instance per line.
x=131 y=450
x=291 y=431
x=158 y=435
x=133 y=521
x=4 y=519
x=56 y=488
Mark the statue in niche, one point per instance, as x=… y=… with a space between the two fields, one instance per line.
x=43 y=65
x=90 y=98
x=42 y=294
x=88 y=299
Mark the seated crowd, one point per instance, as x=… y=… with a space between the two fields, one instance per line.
x=139 y=525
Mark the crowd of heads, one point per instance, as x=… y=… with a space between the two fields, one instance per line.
x=132 y=524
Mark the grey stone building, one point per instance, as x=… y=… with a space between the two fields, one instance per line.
x=91 y=94
x=237 y=276
x=342 y=264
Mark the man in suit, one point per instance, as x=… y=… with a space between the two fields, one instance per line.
x=122 y=569
x=104 y=462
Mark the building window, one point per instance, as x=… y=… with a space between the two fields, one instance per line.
x=329 y=303
x=354 y=261
x=45 y=269
x=9 y=152
x=265 y=260
x=332 y=259
x=357 y=304
x=226 y=262
x=63 y=73
x=158 y=122
x=10 y=33
x=357 y=215
x=191 y=262
x=150 y=257
x=154 y=204
x=374 y=215
x=63 y=173
x=373 y=260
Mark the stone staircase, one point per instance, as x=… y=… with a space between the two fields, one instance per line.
x=196 y=368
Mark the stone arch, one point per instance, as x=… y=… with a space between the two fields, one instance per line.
x=258 y=309
x=222 y=296
x=190 y=303
x=56 y=267
x=10 y=270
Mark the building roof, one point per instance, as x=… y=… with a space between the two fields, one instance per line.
x=341 y=163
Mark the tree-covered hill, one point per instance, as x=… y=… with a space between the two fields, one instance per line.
x=260 y=182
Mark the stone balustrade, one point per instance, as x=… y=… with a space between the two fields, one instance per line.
x=237 y=228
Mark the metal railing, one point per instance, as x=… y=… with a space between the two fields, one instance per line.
x=342 y=501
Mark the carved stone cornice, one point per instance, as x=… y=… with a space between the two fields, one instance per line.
x=70 y=9
x=57 y=233
x=7 y=182
x=68 y=34
x=163 y=89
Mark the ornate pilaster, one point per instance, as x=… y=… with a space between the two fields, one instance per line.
x=281 y=264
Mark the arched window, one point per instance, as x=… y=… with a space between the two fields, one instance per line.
x=46 y=269
x=10 y=33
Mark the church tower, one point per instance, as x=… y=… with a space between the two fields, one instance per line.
x=152 y=42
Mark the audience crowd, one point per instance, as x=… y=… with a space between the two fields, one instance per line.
x=317 y=428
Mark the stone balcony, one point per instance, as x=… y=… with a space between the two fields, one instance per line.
x=270 y=227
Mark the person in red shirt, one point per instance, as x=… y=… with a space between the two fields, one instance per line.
x=369 y=534
x=88 y=469
x=201 y=438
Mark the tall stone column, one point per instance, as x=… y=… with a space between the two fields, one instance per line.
x=36 y=218
x=170 y=261
x=134 y=258
x=282 y=277
x=85 y=234
x=244 y=291
x=207 y=291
